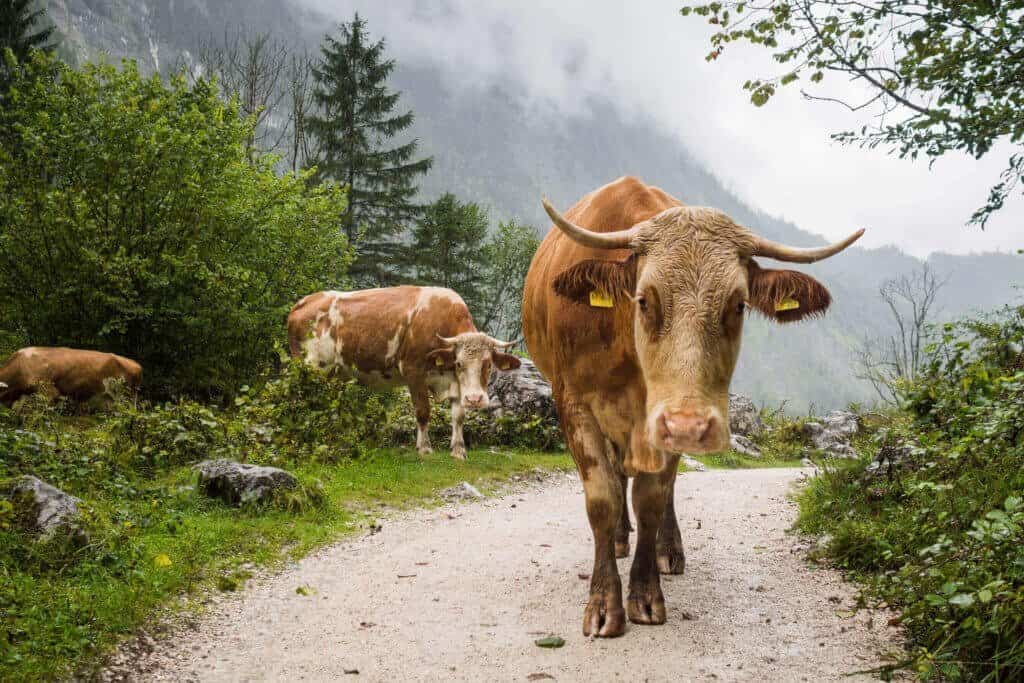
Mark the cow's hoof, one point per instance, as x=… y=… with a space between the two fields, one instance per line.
x=646 y=605
x=604 y=617
x=459 y=453
x=622 y=549
x=672 y=561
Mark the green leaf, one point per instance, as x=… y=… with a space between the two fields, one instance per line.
x=550 y=642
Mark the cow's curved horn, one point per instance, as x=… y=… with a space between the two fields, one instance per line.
x=621 y=239
x=498 y=344
x=447 y=341
x=780 y=252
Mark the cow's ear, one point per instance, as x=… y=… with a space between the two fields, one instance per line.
x=612 y=279
x=442 y=358
x=786 y=295
x=505 y=361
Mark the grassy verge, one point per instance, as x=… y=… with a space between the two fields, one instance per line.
x=162 y=541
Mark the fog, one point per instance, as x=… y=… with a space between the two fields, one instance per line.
x=650 y=61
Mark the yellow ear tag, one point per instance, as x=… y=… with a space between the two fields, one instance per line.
x=599 y=299
x=438 y=362
x=787 y=305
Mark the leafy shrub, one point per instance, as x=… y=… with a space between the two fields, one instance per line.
x=480 y=428
x=943 y=539
x=133 y=220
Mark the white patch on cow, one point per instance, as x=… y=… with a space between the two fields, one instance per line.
x=401 y=370
x=429 y=294
x=393 y=346
x=334 y=314
x=28 y=352
x=3 y=385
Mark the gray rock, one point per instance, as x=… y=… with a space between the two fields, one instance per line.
x=523 y=392
x=464 y=491
x=891 y=459
x=45 y=508
x=236 y=482
x=744 y=417
x=744 y=446
x=831 y=434
x=692 y=464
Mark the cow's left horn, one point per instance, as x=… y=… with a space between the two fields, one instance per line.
x=448 y=341
x=780 y=252
x=621 y=239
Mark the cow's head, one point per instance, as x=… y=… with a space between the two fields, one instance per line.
x=689 y=279
x=470 y=357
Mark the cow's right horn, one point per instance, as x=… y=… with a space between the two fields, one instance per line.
x=621 y=239
x=447 y=341
x=498 y=344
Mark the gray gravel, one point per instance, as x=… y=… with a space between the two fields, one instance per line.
x=462 y=592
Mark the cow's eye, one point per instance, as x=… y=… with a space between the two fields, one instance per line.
x=641 y=302
x=458 y=365
x=741 y=306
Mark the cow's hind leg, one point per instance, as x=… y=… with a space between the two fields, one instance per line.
x=421 y=399
x=604 y=615
x=646 y=604
x=458 y=442
x=671 y=558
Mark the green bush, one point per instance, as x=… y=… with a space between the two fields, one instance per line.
x=942 y=535
x=132 y=220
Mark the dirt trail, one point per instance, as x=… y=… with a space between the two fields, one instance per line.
x=434 y=598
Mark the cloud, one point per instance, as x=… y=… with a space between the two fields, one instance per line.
x=650 y=61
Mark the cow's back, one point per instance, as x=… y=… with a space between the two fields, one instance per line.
x=373 y=331
x=574 y=343
x=77 y=373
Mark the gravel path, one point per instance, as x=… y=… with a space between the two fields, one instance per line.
x=461 y=593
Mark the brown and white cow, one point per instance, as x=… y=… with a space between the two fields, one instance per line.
x=422 y=337
x=633 y=309
x=75 y=373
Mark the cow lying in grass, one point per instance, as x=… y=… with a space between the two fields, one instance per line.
x=74 y=373
x=420 y=337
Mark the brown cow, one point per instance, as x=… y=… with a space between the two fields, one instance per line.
x=422 y=337
x=633 y=310
x=74 y=373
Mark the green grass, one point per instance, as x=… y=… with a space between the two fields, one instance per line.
x=163 y=543
x=731 y=460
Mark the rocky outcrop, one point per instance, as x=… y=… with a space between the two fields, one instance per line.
x=236 y=482
x=744 y=417
x=523 y=392
x=891 y=459
x=44 y=508
x=831 y=434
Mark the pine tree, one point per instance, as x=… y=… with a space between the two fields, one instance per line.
x=448 y=248
x=355 y=122
x=22 y=29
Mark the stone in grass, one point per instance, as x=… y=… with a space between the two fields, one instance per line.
x=236 y=482
x=744 y=446
x=44 y=508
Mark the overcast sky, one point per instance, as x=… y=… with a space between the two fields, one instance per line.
x=648 y=58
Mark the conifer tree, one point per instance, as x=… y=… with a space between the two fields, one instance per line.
x=22 y=28
x=356 y=121
x=448 y=248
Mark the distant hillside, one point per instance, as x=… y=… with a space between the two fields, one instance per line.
x=489 y=145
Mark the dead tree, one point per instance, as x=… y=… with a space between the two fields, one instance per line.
x=891 y=361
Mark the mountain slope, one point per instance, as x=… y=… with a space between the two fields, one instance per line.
x=495 y=144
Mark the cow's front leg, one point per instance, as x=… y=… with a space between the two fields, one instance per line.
x=671 y=558
x=458 y=417
x=604 y=615
x=624 y=527
x=421 y=399
x=646 y=604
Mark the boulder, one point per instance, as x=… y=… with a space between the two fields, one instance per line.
x=522 y=392
x=831 y=434
x=744 y=446
x=236 y=482
x=744 y=417
x=892 y=458
x=44 y=508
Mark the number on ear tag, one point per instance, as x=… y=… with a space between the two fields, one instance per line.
x=787 y=305
x=599 y=299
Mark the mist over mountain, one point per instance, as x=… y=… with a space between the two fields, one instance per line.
x=496 y=142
